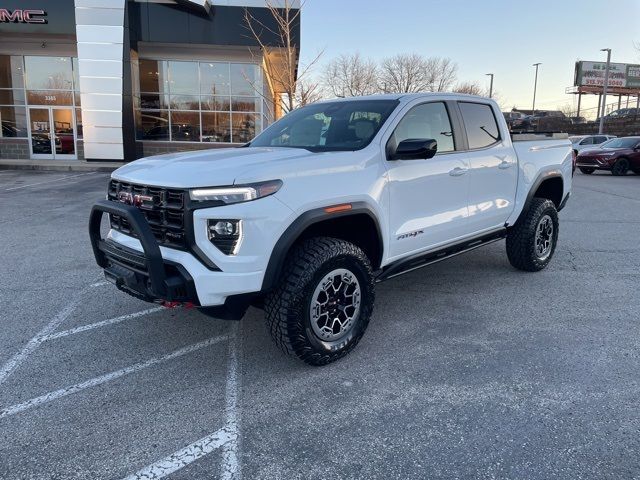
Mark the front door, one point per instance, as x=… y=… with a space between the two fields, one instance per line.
x=52 y=132
x=428 y=198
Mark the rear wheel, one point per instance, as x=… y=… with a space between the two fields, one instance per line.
x=322 y=306
x=620 y=167
x=587 y=171
x=531 y=242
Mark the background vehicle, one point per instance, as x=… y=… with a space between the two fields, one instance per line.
x=542 y=120
x=623 y=113
x=617 y=155
x=586 y=142
x=329 y=200
x=512 y=116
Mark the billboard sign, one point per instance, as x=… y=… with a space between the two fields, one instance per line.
x=621 y=75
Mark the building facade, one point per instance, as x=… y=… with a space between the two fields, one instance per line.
x=123 y=79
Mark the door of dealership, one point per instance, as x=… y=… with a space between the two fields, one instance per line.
x=52 y=132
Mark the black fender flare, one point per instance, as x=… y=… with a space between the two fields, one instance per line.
x=540 y=179
x=299 y=225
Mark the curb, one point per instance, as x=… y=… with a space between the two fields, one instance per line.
x=52 y=165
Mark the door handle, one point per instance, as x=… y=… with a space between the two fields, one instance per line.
x=458 y=171
x=504 y=165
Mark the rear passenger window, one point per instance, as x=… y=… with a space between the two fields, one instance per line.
x=426 y=121
x=480 y=124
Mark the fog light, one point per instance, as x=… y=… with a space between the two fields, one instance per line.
x=225 y=234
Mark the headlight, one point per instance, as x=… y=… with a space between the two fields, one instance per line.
x=229 y=195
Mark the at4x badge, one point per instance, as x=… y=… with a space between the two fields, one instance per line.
x=410 y=234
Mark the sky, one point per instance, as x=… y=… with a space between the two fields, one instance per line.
x=494 y=36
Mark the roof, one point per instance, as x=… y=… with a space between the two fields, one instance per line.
x=407 y=96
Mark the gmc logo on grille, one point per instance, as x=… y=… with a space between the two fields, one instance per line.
x=22 y=16
x=141 y=201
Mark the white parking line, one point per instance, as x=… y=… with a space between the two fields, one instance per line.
x=103 y=323
x=94 y=382
x=227 y=437
x=230 y=468
x=13 y=363
x=99 y=284
x=184 y=457
x=47 y=181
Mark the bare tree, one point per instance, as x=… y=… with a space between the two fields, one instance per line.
x=351 y=75
x=308 y=91
x=409 y=73
x=470 y=88
x=280 y=62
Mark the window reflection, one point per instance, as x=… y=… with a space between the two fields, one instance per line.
x=216 y=127
x=49 y=73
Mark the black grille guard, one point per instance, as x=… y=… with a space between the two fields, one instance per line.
x=153 y=257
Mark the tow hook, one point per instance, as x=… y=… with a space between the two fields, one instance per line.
x=167 y=304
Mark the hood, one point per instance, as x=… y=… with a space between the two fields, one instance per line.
x=600 y=151
x=205 y=168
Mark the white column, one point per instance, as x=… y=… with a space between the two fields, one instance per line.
x=100 y=33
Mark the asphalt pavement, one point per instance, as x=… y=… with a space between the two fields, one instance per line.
x=469 y=368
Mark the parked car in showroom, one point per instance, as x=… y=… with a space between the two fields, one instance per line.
x=588 y=142
x=617 y=155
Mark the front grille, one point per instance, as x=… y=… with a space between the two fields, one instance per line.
x=165 y=213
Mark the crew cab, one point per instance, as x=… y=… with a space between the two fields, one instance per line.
x=617 y=156
x=335 y=197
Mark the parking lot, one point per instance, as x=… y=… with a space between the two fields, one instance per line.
x=469 y=369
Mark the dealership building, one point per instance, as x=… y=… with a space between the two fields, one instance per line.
x=122 y=79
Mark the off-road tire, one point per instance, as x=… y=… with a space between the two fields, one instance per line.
x=620 y=168
x=287 y=307
x=521 y=238
x=587 y=171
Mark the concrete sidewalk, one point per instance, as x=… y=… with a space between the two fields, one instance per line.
x=59 y=165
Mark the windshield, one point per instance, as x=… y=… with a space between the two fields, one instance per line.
x=621 y=143
x=333 y=126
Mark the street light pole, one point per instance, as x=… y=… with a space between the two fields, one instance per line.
x=490 y=85
x=604 y=88
x=535 y=87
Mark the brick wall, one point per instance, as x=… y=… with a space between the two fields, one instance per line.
x=157 y=148
x=14 y=148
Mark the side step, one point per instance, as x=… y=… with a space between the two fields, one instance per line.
x=423 y=259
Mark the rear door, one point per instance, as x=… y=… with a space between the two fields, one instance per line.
x=493 y=173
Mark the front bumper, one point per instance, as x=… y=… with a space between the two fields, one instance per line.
x=142 y=268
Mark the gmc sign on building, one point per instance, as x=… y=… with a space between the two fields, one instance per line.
x=22 y=16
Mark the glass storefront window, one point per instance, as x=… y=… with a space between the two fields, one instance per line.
x=220 y=104
x=185 y=102
x=78 y=123
x=245 y=104
x=48 y=73
x=153 y=125
x=185 y=126
x=11 y=97
x=153 y=76
x=243 y=127
x=14 y=122
x=182 y=101
x=154 y=101
x=244 y=79
x=214 y=79
x=216 y=127
x=183 y=78
x=11 y=72
x=49 y=97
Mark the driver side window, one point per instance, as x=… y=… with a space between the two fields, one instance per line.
x=426 y=121
x=587 y=141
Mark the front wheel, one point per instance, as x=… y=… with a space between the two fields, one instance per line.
x=620 y=168
x=532 y=241
x=323 y=303
x=587 y=171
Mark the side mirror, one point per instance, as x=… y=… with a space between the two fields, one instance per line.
x=415 y=149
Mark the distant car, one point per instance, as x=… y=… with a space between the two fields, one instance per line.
x=620 y=114
x=578 y=120
x=530 y=123
x=512 y=116
x=617 y=155
x=588 y=142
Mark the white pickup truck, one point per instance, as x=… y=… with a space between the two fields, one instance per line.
x=336 y=196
